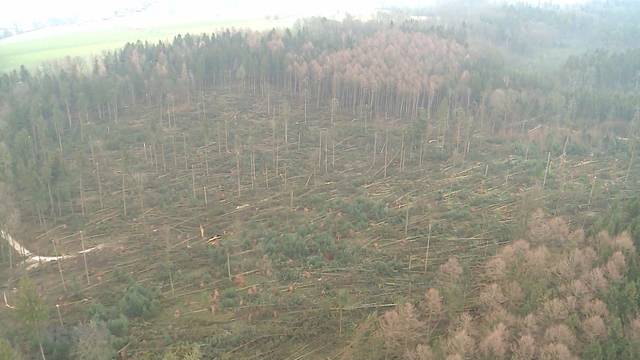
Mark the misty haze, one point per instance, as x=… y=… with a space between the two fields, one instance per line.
x=391 y=180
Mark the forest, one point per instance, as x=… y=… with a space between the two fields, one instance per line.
x=456 y=182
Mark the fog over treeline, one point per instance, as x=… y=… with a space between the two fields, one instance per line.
x=445 y=182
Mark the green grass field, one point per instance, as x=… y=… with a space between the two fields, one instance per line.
x=33 y=51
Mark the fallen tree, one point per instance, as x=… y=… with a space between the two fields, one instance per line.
x=32 y=261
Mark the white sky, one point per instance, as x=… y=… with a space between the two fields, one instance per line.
x=27 y=11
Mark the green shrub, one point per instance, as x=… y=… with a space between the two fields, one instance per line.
x=98 y=312
x=217 y=255
x=229 y=298
x=139 y=301
x=361 y=211
x=183 y=352
x=92 y=342
x=7 y=352
x=119 y=326
x=57 y=343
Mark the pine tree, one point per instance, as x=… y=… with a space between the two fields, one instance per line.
x=31 y=311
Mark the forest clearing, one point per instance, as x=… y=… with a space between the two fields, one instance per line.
x=388 y=189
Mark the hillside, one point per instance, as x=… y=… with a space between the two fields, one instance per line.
x=390 y=189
